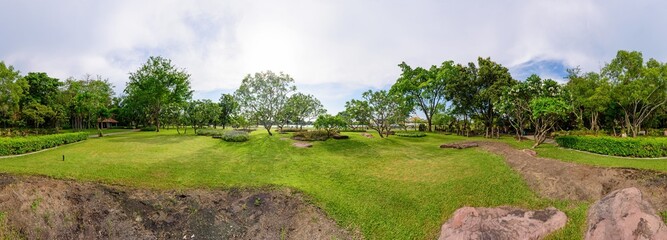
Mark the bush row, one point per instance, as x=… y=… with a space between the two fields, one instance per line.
x=625 y=147
x=410 y=134
x=20 y=145
x=235 y=136
x=210 y=132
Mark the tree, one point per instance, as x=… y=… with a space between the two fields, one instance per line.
x=202 y=113
x=12 y=90
x=425 y=88
x=461 y=91
x=40 y=104
x=589 y=95
x=639 y=89
x=302 y=107
x=156 y=85
x=383 y=110
x=515 y=101
x=264 y=95
x=546 y=111
x=329 y=123
x=356 y=113
x=228 y=107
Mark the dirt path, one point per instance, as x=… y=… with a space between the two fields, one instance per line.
x=45 y=208
x=562 y=180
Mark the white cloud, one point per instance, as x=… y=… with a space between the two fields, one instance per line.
x=323 y=44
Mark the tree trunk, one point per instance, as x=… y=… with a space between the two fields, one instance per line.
x=428 y=119
x=268 y=129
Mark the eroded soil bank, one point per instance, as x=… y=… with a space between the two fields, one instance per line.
x=45 y=208
x=562 y=180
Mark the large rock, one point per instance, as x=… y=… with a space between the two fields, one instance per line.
x=624 y=214
x=459 y=145
x=502 y=223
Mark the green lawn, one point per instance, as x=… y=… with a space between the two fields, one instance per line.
x=569 y=155
x=93 y=131
x=396 y=188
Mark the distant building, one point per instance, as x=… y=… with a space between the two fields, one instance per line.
x=107 y=123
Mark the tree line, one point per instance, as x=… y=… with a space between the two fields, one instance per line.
x=627 y=95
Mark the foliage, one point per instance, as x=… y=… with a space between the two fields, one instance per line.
x=264 y=95
x=384 y=110
x=12 y=89
x=228 y=107
x=235 y=136
x=20 y=145
x=589 y=94
x=203 y=113
x=639 y=89
x=356 y=113
x=411 y=134
x=422 y=127
x=311 y=136
x=148 y=129
x=154 y=86
x=424 y=88
x=330 y=124
x=626 y=147
x=300 y=108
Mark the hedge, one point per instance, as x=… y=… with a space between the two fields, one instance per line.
x=210 y=132
x=20 y=145
x=235 y=136
x=311 y=136
x=410 y=134
x=625 y=147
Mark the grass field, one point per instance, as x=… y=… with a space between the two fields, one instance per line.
x=396 y=188
x=93 y=131
x=569 y=155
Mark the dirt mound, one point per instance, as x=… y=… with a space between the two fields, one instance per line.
x=44 y=208
x=562 y=180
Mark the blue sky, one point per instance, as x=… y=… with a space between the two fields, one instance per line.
x=333 y=49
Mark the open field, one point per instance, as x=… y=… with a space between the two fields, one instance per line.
x=399 y=188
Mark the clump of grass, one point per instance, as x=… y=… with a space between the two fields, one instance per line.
x=410 y=134
x=210 y=132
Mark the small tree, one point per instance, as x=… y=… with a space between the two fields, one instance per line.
x=546 y=113
x=228 y=107
x=384 y=110
x=329 y=123
x=264 y=95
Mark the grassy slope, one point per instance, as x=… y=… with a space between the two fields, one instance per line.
x=568 y=155
x=396 y=188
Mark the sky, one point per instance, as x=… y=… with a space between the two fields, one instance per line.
x=334 y=50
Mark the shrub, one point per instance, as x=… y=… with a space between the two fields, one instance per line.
x=210 y=132
x=288 y=130
x=625 y=147
x=422 y=127
x=235 y=136
x=311 y=136
x=411 y=134
x=148 y=129
x=354 y=130
x=248 y=130
x=20 y=145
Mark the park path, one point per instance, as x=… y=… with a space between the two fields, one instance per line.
x=563 y=180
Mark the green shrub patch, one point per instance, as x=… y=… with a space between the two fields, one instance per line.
x=210 y=132
x=235 y=136
x=625 y=147
x=148 y=129
x=20 y=145
x=410 y=134
x=311 y=136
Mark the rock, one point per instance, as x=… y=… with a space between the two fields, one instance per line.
x=368 y=135
x=665 y=133
x=624 y=135
x=459 y=145
x=530 y=152
x=502 y=223
x=624 y=214
x=302 y=144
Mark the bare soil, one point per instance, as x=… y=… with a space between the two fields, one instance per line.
x=562 y=180
x=45 y=208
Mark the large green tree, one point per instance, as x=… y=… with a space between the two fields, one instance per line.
x=156 y=85
x=589 y=95
x=303 y=107
x=41 y=105
x=228 y=107
x=425 y=88
x=264 y=95
x=638 y=88
x=383 y=109
x=13 y=89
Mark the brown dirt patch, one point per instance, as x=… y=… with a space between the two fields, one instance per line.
x=302 y=144
x=562 y=180
x=44 y=208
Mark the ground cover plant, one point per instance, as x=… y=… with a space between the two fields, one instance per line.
x=410 y=134
x=400 y=188
x=625 y=147
x=20 y=145
x=235 y=136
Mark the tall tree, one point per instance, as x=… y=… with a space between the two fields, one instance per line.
x=589 y=95
x=156 y=85
x=264 y=95
x=356 y=113
x=304 y=107
x=639 y=89
x=228 y=107
x=462 y=92
x=13 y=88
x=383 y=109
x=425 y=88
x=41 y=105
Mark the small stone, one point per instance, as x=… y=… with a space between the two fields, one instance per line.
x=530 y=152
x=302 y=144
x=368 y=135
x=624 y=214
x=138 y=219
